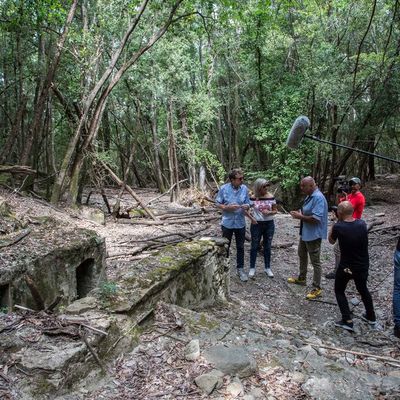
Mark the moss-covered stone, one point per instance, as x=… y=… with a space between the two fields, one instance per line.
x=137 y=212
x=50 y=255
x=187 y=274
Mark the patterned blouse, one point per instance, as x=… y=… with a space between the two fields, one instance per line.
x=262 y=204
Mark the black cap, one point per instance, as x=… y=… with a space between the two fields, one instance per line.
x=355 y=180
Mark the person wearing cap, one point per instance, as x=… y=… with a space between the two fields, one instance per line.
x=233 y=199
x=357 y=199
x=352 y=236
x=263 y=209
x=313 y=228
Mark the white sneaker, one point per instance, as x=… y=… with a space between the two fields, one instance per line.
x=242 y=275
x=269 y=273
x=252 y=272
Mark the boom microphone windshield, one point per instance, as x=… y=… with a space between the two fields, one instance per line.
x=298 y=132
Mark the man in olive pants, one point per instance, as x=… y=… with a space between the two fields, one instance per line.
x=313 y=228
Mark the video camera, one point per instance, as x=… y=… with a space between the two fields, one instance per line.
x=343 y=187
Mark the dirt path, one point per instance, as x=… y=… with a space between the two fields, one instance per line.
x=269 y=316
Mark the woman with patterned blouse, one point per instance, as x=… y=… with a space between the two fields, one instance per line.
x=263 y=207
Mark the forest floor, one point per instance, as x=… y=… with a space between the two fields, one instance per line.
x=292 y=339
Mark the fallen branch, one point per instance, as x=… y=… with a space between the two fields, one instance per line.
x=81 y=322
x=388 y=239
x=372 y=224
x=54 y=304
x=389 y=274
x=386 y=228
x=94 y=329
x=128 y=188
x=168 y=335
x=181 y=215
x=95 y=356
x=165 y=193
x=12 y=239
x=17 y=169
x=37 y=297
x=357 y=353
x=324 y=302
x=155 y=239
x=23 y=308
x=165 y=222
x=149 y=246
x=5 y=377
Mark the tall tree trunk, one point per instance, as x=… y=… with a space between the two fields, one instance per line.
x=44 y=93
x=15 y=130
x=190 y=150
x=156 y=147
x=172 y=157
x=100 y=104
x=88 y=103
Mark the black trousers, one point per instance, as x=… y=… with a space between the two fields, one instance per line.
x=360 y=280
x=240 y=236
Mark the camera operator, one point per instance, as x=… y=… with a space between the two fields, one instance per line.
x=357 y=200
x=355 y=197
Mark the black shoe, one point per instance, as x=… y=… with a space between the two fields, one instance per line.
x=396 y=331
x=330 y=275
x=364 y=318
x=348 y=326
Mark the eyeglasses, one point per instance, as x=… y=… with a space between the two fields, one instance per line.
x=240 y=178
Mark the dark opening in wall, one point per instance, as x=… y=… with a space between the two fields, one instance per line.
x=85 y=278
x=5 y=298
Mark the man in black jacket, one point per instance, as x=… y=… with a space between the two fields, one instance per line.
x=352 y=235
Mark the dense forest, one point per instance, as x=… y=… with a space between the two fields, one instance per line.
x=161 y=91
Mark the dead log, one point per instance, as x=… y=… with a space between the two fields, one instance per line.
x=166 y=222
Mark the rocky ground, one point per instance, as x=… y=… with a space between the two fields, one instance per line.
x=268 y=341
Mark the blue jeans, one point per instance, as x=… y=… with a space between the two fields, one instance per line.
x=240 y=235
x=396 y=289
x=265 y=230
